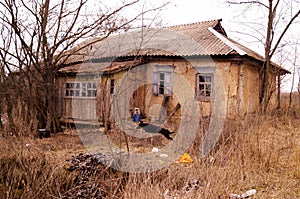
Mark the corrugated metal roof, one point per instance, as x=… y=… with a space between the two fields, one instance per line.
x=182 y=40
x=210 y=44
x=203 y=38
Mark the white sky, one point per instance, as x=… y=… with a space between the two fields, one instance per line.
x=189 y=11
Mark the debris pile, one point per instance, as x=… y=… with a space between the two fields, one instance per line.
x=92 y=178
x=87 y=166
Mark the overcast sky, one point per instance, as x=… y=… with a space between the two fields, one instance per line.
x=189 y=11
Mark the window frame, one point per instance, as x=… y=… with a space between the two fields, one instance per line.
x=84 y=89
x=163 y=81
x=206 y=84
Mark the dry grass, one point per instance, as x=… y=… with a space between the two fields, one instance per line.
x=32 y=171
x=262 y=154
x=38 y=168
x=258 y=152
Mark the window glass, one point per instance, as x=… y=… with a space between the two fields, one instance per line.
x=81 y=89
x=162 y=80
x=89 y=85
x=203 y=86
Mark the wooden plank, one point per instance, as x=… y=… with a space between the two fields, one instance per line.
x=80 y=108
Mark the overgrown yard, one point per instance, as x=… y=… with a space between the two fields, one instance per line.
x=260 y=152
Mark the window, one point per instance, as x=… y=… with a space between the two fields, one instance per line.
x=162 y=80
x=72 y=89
x=203 y=86
x=81 y=89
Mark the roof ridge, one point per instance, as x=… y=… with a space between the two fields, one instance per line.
x=228 y=42
x=194 y=23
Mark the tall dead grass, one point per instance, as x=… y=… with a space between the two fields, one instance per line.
x=27 y=172
x=39 y=169
x=257 y=152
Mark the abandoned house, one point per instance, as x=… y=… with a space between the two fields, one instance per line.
x=154 y=67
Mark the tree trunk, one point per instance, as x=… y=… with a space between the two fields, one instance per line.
x=9 y=111
x=278 y=92
x=1 y=124
x=52 y=119
x=265 y=92
x=299 y=93
x=49 y=93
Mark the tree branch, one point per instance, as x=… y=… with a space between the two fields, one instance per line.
x=284 y=31
x=248 y=2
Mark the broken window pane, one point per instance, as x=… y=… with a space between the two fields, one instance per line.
x=204 y=86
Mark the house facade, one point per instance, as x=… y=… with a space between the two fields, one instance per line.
x=158 y=71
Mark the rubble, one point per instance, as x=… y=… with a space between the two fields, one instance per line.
x=91 y=177
x=86 y=165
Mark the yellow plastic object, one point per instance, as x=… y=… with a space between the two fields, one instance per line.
x=185 y=158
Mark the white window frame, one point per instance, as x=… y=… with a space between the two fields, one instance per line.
x=204 y=85
x=162 y=81
x=80 y=89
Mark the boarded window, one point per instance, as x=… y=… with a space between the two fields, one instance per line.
x=204 y=86
x=162 y=80
x=81 y=89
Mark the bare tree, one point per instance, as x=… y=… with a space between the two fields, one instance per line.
x=294 y=64
x=41 y=37
x=4 y=87
x=278 y=20
x=2 y=75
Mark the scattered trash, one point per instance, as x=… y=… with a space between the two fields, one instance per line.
x=185 y=158
x=27 y=145
x=43 y=133
x=191 y=186
x=244 y=195
x=155 y=150
x=163 y=155
x=171 y=195
x=211 y=159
